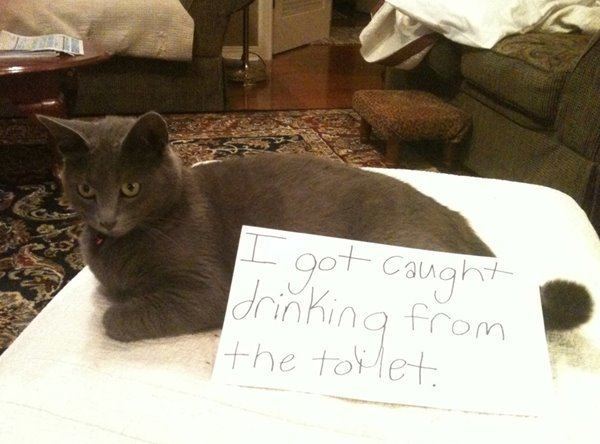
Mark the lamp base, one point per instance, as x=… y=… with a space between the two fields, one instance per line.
x=248 y=74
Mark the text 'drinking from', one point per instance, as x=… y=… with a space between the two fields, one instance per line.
x=383 y=323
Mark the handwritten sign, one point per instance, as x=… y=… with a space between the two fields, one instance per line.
x=383 y=323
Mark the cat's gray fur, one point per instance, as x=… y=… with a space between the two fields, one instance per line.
x=167 y=262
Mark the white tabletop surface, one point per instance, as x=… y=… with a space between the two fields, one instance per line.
x=63 y=380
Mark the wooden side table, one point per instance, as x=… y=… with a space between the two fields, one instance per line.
x=45 y=85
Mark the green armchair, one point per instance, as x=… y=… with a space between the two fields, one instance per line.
x=535 y=104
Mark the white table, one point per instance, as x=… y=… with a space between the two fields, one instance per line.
x=63 y=380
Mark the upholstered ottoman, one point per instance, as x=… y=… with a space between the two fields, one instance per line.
x=406 y=116
x=63 y=380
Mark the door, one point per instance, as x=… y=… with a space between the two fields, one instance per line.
x=298 y=22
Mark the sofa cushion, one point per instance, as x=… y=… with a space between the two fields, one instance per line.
x=444 y=59
x=526 y=72
x=579 y=110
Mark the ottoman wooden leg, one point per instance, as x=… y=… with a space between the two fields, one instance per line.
x=451 y=154
x=365 y=130
x=392 y=151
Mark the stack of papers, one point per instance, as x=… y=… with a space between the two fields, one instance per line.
x=51 y=45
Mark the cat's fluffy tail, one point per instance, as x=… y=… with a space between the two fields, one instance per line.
x=565 y=304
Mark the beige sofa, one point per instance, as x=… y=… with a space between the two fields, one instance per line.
x=137 y=78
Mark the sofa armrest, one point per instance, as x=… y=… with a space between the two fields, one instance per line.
x=579 y=108
x=210 y=24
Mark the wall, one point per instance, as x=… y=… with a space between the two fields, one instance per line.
x=234 y=34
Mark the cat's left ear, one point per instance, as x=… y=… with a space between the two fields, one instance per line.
x=67 y=134
x=148 y=135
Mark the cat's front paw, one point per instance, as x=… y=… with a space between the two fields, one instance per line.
x=122 y=324
x=116 y=296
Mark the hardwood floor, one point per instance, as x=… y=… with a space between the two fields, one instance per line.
x=310 y=77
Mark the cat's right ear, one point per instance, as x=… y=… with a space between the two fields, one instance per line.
x=69 y=140
x=149 y=136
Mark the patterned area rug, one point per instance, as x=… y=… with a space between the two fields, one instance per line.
x=38 y=233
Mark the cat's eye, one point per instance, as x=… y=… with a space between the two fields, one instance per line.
x=85 y=191
x=130 y=189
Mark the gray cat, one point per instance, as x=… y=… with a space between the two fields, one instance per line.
x=161 y=238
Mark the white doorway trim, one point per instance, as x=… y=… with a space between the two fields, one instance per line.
x=265 y=29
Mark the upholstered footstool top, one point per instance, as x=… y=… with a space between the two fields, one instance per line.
x=410 y=115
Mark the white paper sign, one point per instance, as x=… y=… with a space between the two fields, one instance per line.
x=383 y=323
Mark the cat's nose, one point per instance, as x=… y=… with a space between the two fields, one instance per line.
x=108 y=224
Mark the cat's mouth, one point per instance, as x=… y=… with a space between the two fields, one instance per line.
x=117 y=230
